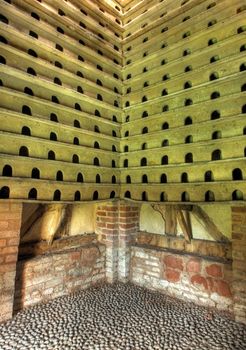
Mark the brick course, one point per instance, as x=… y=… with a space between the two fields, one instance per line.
x=117 y=225
x=239 y=262
x=49 y=276
x=184 y=276
x=10 y=222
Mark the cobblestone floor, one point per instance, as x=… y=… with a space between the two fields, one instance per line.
x=120 y=316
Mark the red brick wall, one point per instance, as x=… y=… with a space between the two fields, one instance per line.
x=49 y=276
x=10 y=221
x=117 y=224
x=190 y=278
x=239 y=262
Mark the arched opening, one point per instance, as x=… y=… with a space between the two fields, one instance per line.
x=242 y=67
x=163 y=197
x=145 y=179
x=165 y=108
x=33 y=34
x=31 y=71
x=163 y=178
x=145 y=130
x=96 y=145
x=185 y=197
x=215 y=115
x=51 y=155
x=144 y=99
x=165 y=143
x=214 y=76
x=77 y=107
x=113 y=180
x=216 y=155
x=75 y=159
x=237 y=174
x=53 y=136
x=143 y=161
x=80 y=89
x=145 y=114
x=114 y=133
x=4 y=19
x=96 y=129
x=184 y=178
x=7 y=171
x=76 y=123
x=144 y=196
x=208 y=176
x=144 y=146
x=95 y=195
x=28 y=91
x=128 y=179
x=113 y=164
x=26 y=110
x=216 y=135
x=35 y=173
x=58 y=64
x=209 y=196
x=212 y=41
x=77 y=196
x=4 y=192
x=57 y=195
x=188 y=102
x=55 y=99
x=244 y=109
x=214 y=95
x=99 y=97
x=188 y=69
x=23 y=151
x=98 y=179
x=189 y=158
x=53 y=117
x=75 y=141
x=189 y=139
x=165 y=126
x=32 y=53
x=237 y=195
x=166 y=77
x=114 y=148
x=32 y=194
x=57 y=81
x=187 y=85
x=80 y=178
x=96 y=161
x=112 y=194
x=97 y=113
x=26 y=131
x=127 y=194
x=164 y=160
x=59 y=175
x=125 y=163
x=214 y=59
x=164 y=92
x=188 y=121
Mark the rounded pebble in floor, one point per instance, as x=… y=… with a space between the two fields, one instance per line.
x=120 y=316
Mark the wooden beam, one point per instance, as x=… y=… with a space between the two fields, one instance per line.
x=185 y=224
x=208 y=224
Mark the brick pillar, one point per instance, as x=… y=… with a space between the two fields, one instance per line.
x=10 y=222
x=128 y=227
x=107 y=228
x=117 y=223
x=239 y=262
